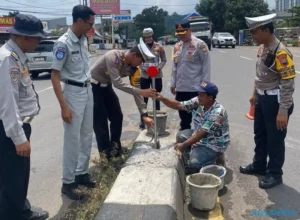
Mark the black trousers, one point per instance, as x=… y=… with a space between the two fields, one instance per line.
x=106 y=107
x=14 y=178
x=268 y=139
x=186 y=118
x=146 y=83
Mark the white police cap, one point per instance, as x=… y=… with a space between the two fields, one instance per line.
x=148 y=32
x=145 y=51
x=256 y=22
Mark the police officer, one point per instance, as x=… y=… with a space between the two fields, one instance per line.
x=71 y=66
x=18 y=106
x=109 y=70
x=160 y=54
x=272 y=97
x=191 y=66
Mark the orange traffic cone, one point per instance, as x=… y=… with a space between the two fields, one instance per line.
x=250 y=114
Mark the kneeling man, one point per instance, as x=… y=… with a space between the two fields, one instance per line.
x=210 y=137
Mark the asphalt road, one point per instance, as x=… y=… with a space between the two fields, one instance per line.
x=233 y=71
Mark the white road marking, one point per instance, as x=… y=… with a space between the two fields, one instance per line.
x=221 y=51
x=43 y=90
x=297 y=72
x=246 y=58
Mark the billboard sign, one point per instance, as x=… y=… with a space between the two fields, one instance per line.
x=105 y=7
x=91 y=33
x=125 y=15
x=5 y=23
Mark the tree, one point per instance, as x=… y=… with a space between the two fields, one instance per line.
x=293 y=21
x=229 y=15
x=151 y=17
x=214 y=10
x=170 y=22
x=56 y=32
x=13 y=14
x=237 y=10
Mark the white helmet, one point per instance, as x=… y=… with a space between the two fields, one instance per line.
x=148 y=32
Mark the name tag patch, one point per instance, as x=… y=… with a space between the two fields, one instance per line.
x=14 y=74
x=75 y=52
x=60 y=53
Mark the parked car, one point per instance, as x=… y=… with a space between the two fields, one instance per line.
x=40 y=60
x=131 y=43
x=223 y=39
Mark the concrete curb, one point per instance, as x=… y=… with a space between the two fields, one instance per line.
x=151 y=184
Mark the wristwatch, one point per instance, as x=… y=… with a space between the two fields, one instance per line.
x=144 y=114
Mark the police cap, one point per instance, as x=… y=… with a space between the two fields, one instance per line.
x=182 y=27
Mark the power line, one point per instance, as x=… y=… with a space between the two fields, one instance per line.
x=160 y=5
x=36 y=12
x=58 y=4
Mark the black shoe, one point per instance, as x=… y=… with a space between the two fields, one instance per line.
x=269 y=182
x=85 y=180
x=251 y=170
x=70 y=191
x=38 y=215
x=115 y=149
x=142 y=126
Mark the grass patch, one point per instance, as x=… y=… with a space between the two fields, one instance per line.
x=105 y=173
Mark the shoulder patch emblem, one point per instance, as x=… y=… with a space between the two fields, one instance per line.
x=203 y=48
x=14 y=74
x=14 y=55
x=60 y=53
x=283 y=59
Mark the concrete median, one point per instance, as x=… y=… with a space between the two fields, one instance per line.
x=150 y=185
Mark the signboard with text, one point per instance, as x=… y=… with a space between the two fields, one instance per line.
x=5 y=23
x=125 y=15
x=105 y=7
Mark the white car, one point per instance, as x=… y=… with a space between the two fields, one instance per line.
x=223 y=39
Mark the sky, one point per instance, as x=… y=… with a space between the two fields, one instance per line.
x=63 y=8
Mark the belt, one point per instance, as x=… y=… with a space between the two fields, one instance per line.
x=267 y=92
x=27 y=119
x=95 y=82
x=78 y=84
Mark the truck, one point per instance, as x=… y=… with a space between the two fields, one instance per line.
x=201 y=28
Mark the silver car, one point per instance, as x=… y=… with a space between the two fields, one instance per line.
x=40 y=60
x=223 y=39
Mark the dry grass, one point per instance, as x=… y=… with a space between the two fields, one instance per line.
x=105 y=173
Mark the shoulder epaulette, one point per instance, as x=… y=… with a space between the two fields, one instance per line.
x=14 y=55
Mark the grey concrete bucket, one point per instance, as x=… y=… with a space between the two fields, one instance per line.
x=161 y=118
x=216 y=170
x=204 y=190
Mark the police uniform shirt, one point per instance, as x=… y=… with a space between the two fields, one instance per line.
x=191 y=65
x=111 y=68
x=18 y=98
x=282 y=74
x=71 y=58
x=160 y=53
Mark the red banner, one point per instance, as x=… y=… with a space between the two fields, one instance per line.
x=105 y=7
x=7 y=21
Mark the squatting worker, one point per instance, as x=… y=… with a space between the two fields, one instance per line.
x=159 y=61
x=109 y=70
x=206 y=143
x=19 y=104
x=273 y=100
x=191 y=66
x=71 y=65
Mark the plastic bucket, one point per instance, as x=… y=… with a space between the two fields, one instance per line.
x=216 y=170
x=161 y=118
x=204 y=190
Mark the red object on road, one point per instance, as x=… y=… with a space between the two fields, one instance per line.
x=152 y=71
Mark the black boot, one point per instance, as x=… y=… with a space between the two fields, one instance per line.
x=269 y=182
x=251 y=170
x=142 y=125
x=38 y=215
x=116 y=149
x=70 y=191
x=85 y=180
